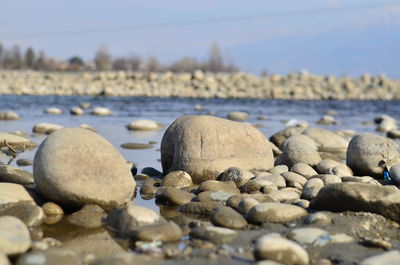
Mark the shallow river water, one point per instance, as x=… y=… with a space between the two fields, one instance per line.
x=350 y=115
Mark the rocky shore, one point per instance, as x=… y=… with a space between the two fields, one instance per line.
x=301 y=85
x=228 y=194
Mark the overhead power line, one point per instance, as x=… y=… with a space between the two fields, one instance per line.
x=183 y=23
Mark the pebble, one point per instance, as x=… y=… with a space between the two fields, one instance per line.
x=46 y=128
x=178 y=179
x=200 y=208
x=50 y=256
x=128 y=219
x=310 y=236
x=50 y=208
x=136 y=146
x=45 y=243
x=246 y=204
x=24 y=162
x=275 y=213
x=11 y=193
x=327 y=120
x=164 y=232
x=143 y=125
x=284 y=196
x=90 y=216
x=76 y=111
x=291 y=178
x=215 y=196
x=27 y=211
x=15 y=175
x=375 y=242
x=101 y=111
x=9 y=115
x=278 y=170
x=53 y=110
x=215 y=185
x=278 y=180
x=237 y=116
x=85 y=105
x=173 y=196
x=386 y=258
x=227 y=217
x=87 y=127
x=216 y=235
x=14 y=236
x=237 y=175
x=318 y=218
x=276 y=248
x=311 y=188
x=341 y=238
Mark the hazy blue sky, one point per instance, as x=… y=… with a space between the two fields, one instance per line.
x=352 y=41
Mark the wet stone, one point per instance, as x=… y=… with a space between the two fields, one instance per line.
x=227 y=217
x=28 y=212
x=45 y=243
x=164 y=232
x=173 y=196
x=136 y=146
x=50 y=256
x=127 y=259
x=275 y=213
x=90 y=216
x=200 y=208
x=216 y=235
x=152 y=172
x=15 y=175
x=50 y=208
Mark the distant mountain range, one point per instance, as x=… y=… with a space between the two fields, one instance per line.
x=373 y=49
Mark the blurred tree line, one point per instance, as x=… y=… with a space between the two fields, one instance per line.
x=15 y=59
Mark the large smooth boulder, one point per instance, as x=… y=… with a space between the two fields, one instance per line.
x=75 y=167
x=206 y=146
x=367 y=153
x=363 y=197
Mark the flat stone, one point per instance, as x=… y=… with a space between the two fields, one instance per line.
x=15 y=175
x=15 y=141
x=227 y=217
x=283 y=196
x=310 y=236
x=216 y=235
x=275 y=213
x=216 y=196
x=237 y=116
x=387 y=258
x=50 y=256
x=24 y=162
x=27 y=211
x=143 y=125
x=359 y=197
x=101 y=111
x=276 y=248
x=128 y=219
x=200 y=208
x=90 y=216
x=127 y=259
x=215 y=185
x=46 y=128
x=14 y=236
x=164 y=232
x=173 y=196
x=136 y=146
x=11 y=193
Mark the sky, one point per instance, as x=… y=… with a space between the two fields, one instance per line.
x=354 y=37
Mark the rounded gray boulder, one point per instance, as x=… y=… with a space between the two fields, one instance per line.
x=205 y=146
x=74 y=167
x=367 y=154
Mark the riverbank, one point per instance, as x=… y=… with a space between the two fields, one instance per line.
x=199 y=85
